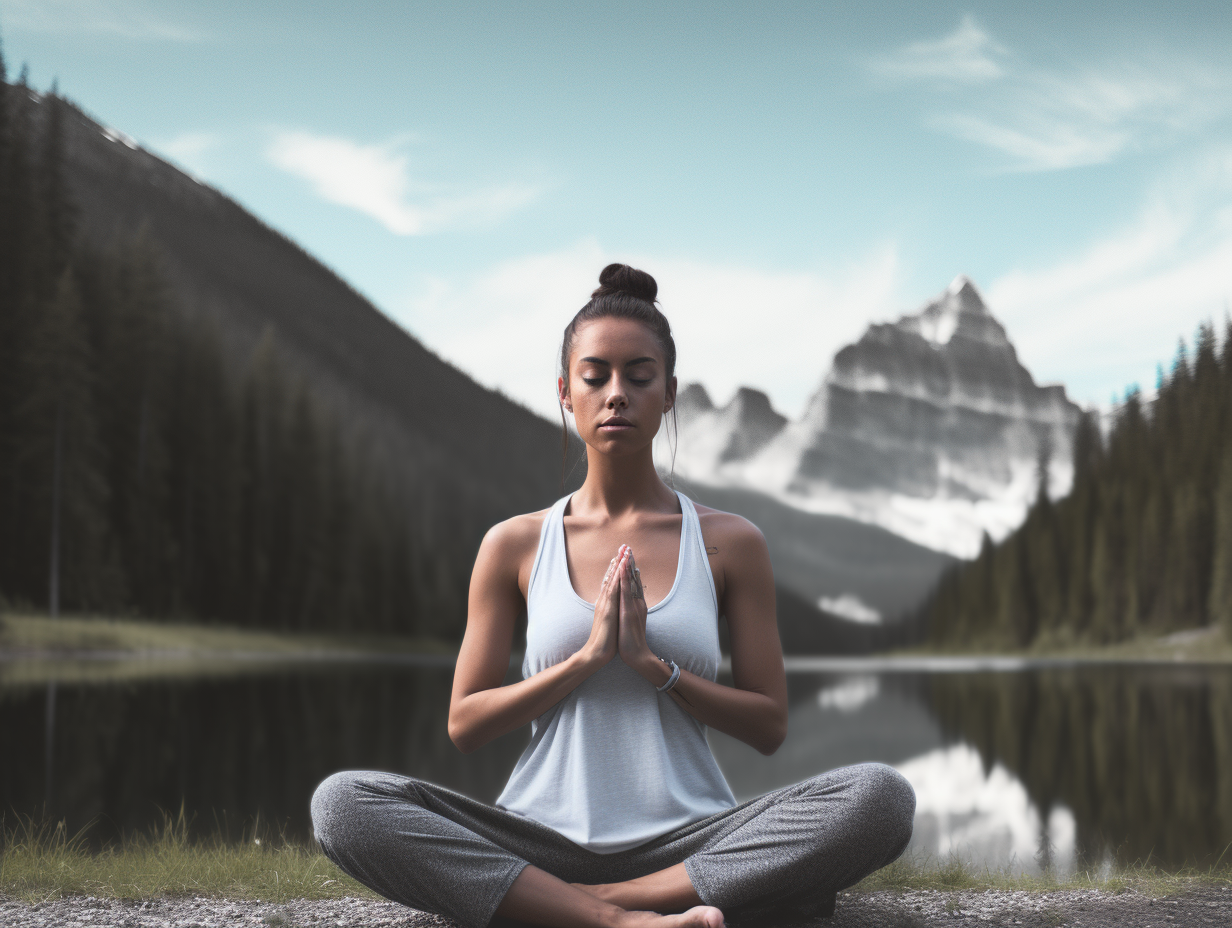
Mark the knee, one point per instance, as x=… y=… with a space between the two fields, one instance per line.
x=889 y=799
x=329 y=802
x=338 y=804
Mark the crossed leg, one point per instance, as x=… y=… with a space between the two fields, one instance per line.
x=436 y=850
x=668 y=890
x=537 y=896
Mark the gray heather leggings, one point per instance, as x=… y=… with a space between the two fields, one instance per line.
x=788 y=851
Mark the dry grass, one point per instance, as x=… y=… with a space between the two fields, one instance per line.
x=42 y=861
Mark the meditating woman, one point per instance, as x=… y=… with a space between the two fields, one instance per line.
x=616 y=813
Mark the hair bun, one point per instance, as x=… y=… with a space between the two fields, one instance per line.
x=620 y=278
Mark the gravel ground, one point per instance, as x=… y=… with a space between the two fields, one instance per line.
x=1198 y=907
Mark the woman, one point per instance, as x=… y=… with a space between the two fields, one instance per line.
x=616 y=810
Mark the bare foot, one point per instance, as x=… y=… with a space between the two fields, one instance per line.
x=700 y=916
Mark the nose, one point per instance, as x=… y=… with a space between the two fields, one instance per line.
x=616 y=396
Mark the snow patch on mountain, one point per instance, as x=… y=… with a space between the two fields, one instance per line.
x=851 y=607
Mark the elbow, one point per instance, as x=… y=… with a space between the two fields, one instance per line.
x=772 y=737
x=463 y=739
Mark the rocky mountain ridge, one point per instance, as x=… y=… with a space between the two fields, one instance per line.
x=929 y=426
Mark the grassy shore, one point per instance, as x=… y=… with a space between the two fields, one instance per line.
x=1199 y=645
x=39 y=637
x=41 y=862
x=41 y=634
x=36 y=649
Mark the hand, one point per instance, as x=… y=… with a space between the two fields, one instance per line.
x=633 y=648
x=604 y=630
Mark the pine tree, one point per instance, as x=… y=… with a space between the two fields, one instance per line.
x=58 y=208
x=61 y=465
x=133 y=363
x=1220 y=601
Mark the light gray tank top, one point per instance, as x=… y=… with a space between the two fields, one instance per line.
x=615 y=763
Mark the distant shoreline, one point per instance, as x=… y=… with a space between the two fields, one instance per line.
x=36 y=648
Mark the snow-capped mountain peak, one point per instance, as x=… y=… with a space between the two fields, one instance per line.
x=929 y=426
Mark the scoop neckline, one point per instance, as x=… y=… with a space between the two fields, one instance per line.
x=564 y=556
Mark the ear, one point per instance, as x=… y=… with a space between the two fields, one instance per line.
x=670 y=399
x=562 y=393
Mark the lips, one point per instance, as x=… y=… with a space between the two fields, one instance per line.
x=616 y=422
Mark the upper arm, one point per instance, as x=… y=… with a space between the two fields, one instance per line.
x=749 y=604
x=494 y=604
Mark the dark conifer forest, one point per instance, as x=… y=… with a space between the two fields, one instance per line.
x=1141 y=545
x=150 y=467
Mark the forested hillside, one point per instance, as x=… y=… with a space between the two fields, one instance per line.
x=170 y=455
x=1143 y=543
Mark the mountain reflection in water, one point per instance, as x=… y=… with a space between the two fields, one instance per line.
x=1026 y=769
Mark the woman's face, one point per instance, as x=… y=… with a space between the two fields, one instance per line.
x=618 y=389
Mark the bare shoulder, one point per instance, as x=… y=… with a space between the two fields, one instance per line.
x=738 y=555
x=515 y=535
x=727 y=527
x=517 y=531
x=509 y=547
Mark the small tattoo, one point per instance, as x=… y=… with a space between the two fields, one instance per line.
x=711 y=549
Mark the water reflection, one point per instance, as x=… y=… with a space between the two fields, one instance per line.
x=1028 y=770
x=235 y=751
x=1141 y=755
x=985 y=816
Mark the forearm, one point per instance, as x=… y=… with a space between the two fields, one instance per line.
x=749 y=716
x=484 y=715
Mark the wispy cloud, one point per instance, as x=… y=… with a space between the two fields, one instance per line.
x=377 y=181
x=1050 y=122
x=1104 y=318
x=129 y=19
x=504 y=326
x=967 y=55
x=1047 y=120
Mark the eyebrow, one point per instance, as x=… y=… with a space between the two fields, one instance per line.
x=627 y=363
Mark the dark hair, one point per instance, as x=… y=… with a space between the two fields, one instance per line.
x=625 y=293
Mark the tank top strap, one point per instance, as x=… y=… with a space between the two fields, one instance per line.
x=551 y=547
x=695 y=560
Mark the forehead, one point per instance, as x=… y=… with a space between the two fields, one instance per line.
x=615 y=340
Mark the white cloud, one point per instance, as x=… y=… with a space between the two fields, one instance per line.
x=1047 y=120
x=376 y=180
x=1039 y=143
x=734 y=325
x=1104 y=318
x=967 y=55
x=129 y=19
x=1051 y=122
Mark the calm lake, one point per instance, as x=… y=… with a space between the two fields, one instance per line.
x=1015 y=766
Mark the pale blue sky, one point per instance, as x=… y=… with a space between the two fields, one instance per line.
x=789 y=171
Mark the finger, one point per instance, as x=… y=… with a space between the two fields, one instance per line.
x=612 y=567
x=617 y=571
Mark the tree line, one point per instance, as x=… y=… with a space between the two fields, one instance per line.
x=1141 y=545
x=143 y=472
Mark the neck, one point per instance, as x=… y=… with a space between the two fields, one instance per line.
x=617 y=485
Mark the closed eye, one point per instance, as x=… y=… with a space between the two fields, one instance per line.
x=596 y=381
